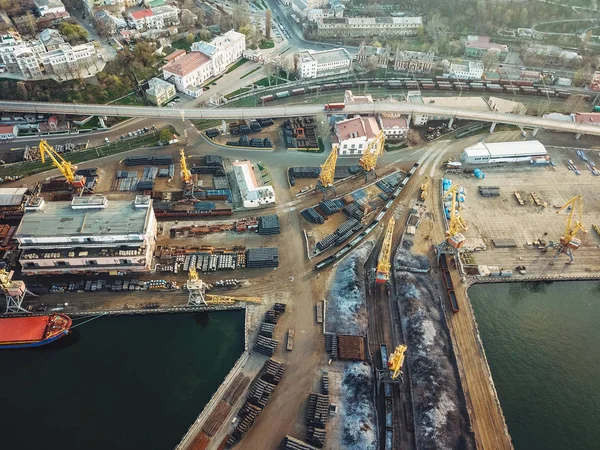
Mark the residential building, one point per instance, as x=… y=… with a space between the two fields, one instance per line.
x=253 y=194
x=333 y=9
x=314 y=64
x=155 y=18
x=160 y=91
x=45 y=7
x=253 y=55
x=28 y=63
x=51 y=38
x=171 y=57
x=595 y=82
x=478 y=46
x=87 y=234
x=370 y=26
x=8 y=132
x=301 y=7
x=368 y=52
x=394 y=127
x=190 y=70
x=223 y=50
x=112 y=22
x=467 y=70
x=410 y=61
x=67 y=59
x=352 y=136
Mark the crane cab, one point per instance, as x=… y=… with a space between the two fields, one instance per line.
x=78 y=181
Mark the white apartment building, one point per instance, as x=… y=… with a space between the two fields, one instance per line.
x=222 y=50
x=189 y=71
x=354 y=135
x=68 y=59
x=468 y=70
x=28 y=63
x=252 y=193
x=87 y=234
x=314 y=64
x=394 y=127
x=49 y=7
x=154 y=18
x=370 y=26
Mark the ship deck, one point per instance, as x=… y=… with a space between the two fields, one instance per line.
x=22 y=329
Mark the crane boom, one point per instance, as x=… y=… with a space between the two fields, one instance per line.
x=186 y=175
x=396 y=361
x=374 y=150
x=67 y=169
x=328 y=169
x=569 y=241
x=384 y=263
x=456 y=223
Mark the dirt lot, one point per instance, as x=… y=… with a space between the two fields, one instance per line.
x=503 y=218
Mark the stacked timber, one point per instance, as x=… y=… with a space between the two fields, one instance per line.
x=316 y=436
x=342 y=234
x=318 y=410
x=265 y=346
x=291 y=443
x=267 y=330
x=260 y=393
x=331 y=344
x=147 y=160
x=216 y=418
x=312 y=216
x=262 y=257
x=325 y=384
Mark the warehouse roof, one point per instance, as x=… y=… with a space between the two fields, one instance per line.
x=12 y=196
x=59 y=219
x=507 y=149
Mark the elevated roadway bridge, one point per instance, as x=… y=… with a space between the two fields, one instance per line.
x=297 y=110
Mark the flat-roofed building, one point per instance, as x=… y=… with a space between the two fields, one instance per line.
x=354 y=135
x=349 y=98
x=88 y=234
x=253 y=194
x=370 y=26
x=467 y=70
x=190 y=70
x=8 y=132
x=410 y=61
x=503 y=152
x=314 y=64
x=223 y=50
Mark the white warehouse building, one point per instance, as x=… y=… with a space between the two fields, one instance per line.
x=253 y=195
x=312 y=64
x=503 y=152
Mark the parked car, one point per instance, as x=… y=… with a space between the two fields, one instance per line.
x=106 y=140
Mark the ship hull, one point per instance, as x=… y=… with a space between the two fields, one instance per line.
x=6 y=345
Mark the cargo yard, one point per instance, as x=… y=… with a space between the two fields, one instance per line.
x=352 y=271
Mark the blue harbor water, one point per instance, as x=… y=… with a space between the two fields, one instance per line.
x=542 y=341
x=134 y=382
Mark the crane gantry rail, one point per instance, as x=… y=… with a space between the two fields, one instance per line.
x=384 y=261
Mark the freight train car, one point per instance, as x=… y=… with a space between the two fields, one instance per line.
x=298 y=91
x=453 y=301
x=267 y=98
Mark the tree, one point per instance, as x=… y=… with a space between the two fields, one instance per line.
x=371 y=64
x=322 y=126
x=190 y=38
x=73 y=32
x=241 y=16
x=30 y=23
x=489 y=59
x=165 y=135
x=268 y=21
x=575 y=103
x=102 y=28
x=270 y=70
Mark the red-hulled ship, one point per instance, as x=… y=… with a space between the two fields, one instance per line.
x=33 y=331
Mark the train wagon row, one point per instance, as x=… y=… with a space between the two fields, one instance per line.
x=524 y=87
x=358 y=239
x=389 y=402
x=448 y=283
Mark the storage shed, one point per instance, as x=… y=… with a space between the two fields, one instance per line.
x=501 y=152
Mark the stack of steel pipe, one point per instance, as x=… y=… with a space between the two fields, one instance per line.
x=291 y=443
x=318 y=410
x=316 y=436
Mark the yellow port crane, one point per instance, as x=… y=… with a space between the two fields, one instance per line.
x=384 y=263
x=456 y=224
x=197 y=293
x=374 y=150
x=570 y=241
x=327 y=174
x=396 y=361
x=424 y=191
x=14 y=291
x=67 y=169
x=186 y=175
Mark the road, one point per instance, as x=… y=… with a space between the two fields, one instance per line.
x=297 y=110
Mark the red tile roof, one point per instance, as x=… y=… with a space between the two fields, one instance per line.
x=187 y=64
x=590 y=118
x=7 y=129
x=142 y=13
x=173 y=56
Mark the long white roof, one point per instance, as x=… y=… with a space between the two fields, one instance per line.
x=507 y=149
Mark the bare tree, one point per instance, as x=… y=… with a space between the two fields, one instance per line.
x=574 y=103
x=489 y=59
x=270 y=69
x=371 y=64
x=268 y=20
x=30 y=23
x=288 y=65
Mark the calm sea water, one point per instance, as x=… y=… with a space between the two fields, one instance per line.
x=117 y=382
x=542 y=342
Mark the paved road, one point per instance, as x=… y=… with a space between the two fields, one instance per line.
x=297 y=110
